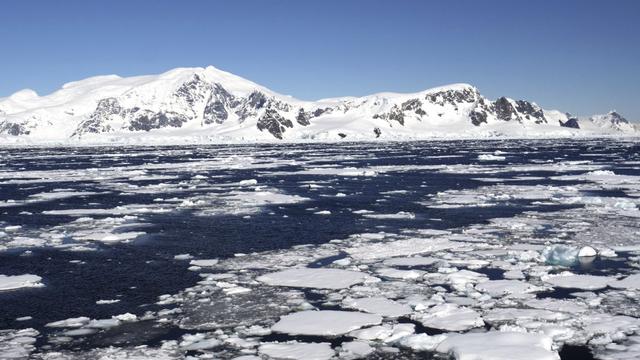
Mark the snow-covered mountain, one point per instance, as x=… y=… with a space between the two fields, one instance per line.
x=212 y=105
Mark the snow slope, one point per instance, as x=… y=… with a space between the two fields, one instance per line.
x=207 y=104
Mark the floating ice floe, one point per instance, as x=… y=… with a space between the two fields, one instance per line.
x=450 y=317
x=580 y=281
x=411 y=261
x=631 y=282
x=499 y=288
x=204 y=262
x=324 y=322
x=378 y=305
x=490 y=157
x=297 y=350
x=13 y=282
x=318 y=278
x=355 y=350
x=107 y=301
x=385 y=333
x=401 y=215
x=562 y=255
x=422 y=342
x=395 y=248
x=17 y=344
x=496 y=345
x=198 y=342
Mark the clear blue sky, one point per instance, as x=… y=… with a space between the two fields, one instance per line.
x=580 y=56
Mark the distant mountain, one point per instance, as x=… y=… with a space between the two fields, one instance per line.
x=207 y=104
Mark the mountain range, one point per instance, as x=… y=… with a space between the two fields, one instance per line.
x=211 y=105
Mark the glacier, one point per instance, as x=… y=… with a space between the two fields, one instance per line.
x=208 y=105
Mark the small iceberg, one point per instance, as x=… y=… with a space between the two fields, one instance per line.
x=564 y=255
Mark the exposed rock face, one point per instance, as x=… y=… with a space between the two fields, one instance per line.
x=216 y=110
x=96 y=123
x=395 y=114
x=530 y=111
x=274 y=123
x=617 y=118
x=303 y=118
x=14 y=129
x=193 y=93
x=571 y=123
x=478 y=117
x=453 y=97
x=249 y=106
x=211 y=99
x=145 y=120
x=504 y=110
x=523 y=110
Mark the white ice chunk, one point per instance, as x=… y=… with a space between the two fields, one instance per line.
x=204 y=262
x=202 y=344
x=422 y=342
x=401 y=215
x=297 y=350
x=631 y=282
x=584 y=282
x=498 y=346
x=587 y=251
x=518 y=314
x=499 y=288
x=318 y=278
x=386 y=333
x=107 y=301
x=451 y=317
x=378 y=305
x=490 y=157
x=411 y=261
x=560 y=255
x=324 y=323
x=69 y=323
x=9 y=282
x=395 y=248
x=355 y=350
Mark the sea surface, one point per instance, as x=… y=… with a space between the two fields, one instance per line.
x=116 y=223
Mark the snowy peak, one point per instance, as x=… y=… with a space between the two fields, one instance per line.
x=210 y=102
x=611 y=118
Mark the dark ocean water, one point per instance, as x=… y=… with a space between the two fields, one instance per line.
x=139 y=271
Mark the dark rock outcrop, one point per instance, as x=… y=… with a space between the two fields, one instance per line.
x=15 y=129
x=146 y=120
x=303 y=118
x=617 y=118
x=571 y=123
x=478 y=117
x=504 y=110
x=453 y=97
x=394 y=114
x=273 y=122
x=530 y=111
x=96 y=123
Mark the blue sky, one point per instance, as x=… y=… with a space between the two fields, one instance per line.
x=579 y=56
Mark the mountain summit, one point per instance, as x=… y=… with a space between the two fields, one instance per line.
x=217 y=105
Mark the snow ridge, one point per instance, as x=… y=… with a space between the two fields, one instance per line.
x=208 y=103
